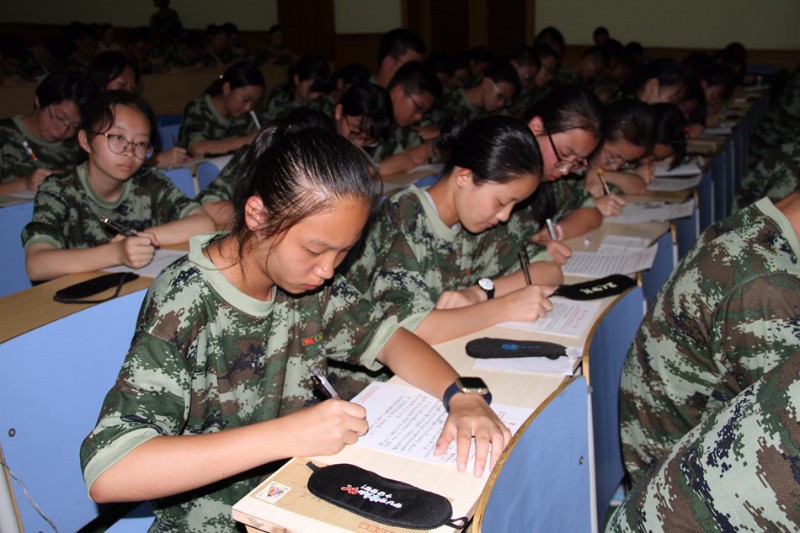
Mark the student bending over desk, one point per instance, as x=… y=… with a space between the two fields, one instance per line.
x=220 y=122
x=42 y=141
x=423 y=250
x=218 y=379
x=67 y=233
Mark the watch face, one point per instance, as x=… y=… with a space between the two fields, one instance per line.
x=473 y=385
x=486 y=284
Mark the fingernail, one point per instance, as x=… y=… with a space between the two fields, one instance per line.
x=462 y=467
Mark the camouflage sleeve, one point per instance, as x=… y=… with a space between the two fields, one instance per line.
x=222 y=187
x=194 y=124
x=51 y=215
x=278 y=104
x=14 y=162
x=170 y=203
x=679 y=368
x=776 y=176
x=570 y=195
x=736 y=471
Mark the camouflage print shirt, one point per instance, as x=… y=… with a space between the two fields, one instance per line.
x=738 y=288
x=735 y=471
x=410 y=257
x=207 y=358
x=202 y=121
x=776 y=176
x=280 y=102
x=455 y=106
x=15 y=160
x=524 y=100
x=67 y=211
x=221 y=188
x=398 y=141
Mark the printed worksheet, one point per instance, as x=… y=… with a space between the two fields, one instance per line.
x=674 y=184
x=636 y=213
x=689 y=168
x=407 y=421
x=567 y=317
x=601 y=264
x=162 y=260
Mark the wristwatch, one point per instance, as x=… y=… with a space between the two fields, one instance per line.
x=466 y=385
x=488 y=287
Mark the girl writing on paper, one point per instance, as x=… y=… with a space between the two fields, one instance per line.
x=67 y=233
x=218 y=380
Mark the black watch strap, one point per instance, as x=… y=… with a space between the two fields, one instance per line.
x=454 y=389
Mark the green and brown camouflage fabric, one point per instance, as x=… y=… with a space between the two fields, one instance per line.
x=776 y=176
x=735 y=471
x=67 y=212
x=455 y=106
x=410 y=257
x=207 y=358
x=15 y=160
x=398 y=141
x=729 y=313
x=202 y=122
x=280 y=103
x=221 y=188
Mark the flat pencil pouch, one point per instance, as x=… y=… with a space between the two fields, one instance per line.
x=489 y=348
x=596 y=288
x=384 y=500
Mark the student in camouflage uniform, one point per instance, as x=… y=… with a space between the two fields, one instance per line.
x=489 y=97
x=413 y=91
x=49 y=129
x=220 y=121
x=217 y=383
x=66 y=234
x=728 y=314
x=181 y=56
x=421 y=252
x=735 y=471
x=775 y=176
x=274 y=51
x=308 y=81
x=781 y=124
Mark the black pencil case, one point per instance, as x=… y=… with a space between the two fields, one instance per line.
x=384 y=500
x=596 y=288
x=489 y=348
x=77 y=293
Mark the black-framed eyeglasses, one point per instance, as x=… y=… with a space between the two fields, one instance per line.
x=118 y=144
x=420 y=108
x=564 y=165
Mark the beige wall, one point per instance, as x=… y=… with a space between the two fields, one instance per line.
x=362 y=16
x=766 y=24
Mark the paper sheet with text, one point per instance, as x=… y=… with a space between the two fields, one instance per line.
x=161 y=260
x=567 y=317
x=603 y=263
x=407 y=421
x=674 y=184
x=689 y=168
x=637 y=213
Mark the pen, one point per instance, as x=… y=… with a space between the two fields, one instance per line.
x=31 y=154
x=524 y=264
x=323 y=384
x=117 y=228
x=551 y=229
x=255 y=119
x=602 y=174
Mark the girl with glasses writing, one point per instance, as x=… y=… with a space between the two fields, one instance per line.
x=67 y=233
x=42 y=142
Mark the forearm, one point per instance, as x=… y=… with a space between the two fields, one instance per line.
x=43 y=262
x=412 y=359
x=542 y=273
x=165 y=466
x=405 y=161
x=580 y=221
x=179 y=231
x=16 y=185
x=445 y=324
x=221 y=146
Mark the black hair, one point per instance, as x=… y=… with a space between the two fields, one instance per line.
x=503 y=72
x=299 y=171
x=142 y=33
x=551 y=37
x=373 y=104
x=670 y=129
x=239 y=75
x=440 y=62
x=525 y=56
x=694 y=91
x=416 y=78
x=350 y=74
x=496 y=149
x=718 y=74
x=62 y=86
x=480 y=54
x=99 y=115
x=630 y=120
x=13 y=47
x=107 y=66
x=544 y=50
x=311 y=67
x=600 y=30
x=570 y=107
x=664 y=69
x=395 y=43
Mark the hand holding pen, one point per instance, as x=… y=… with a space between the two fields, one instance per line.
x=137 y=249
